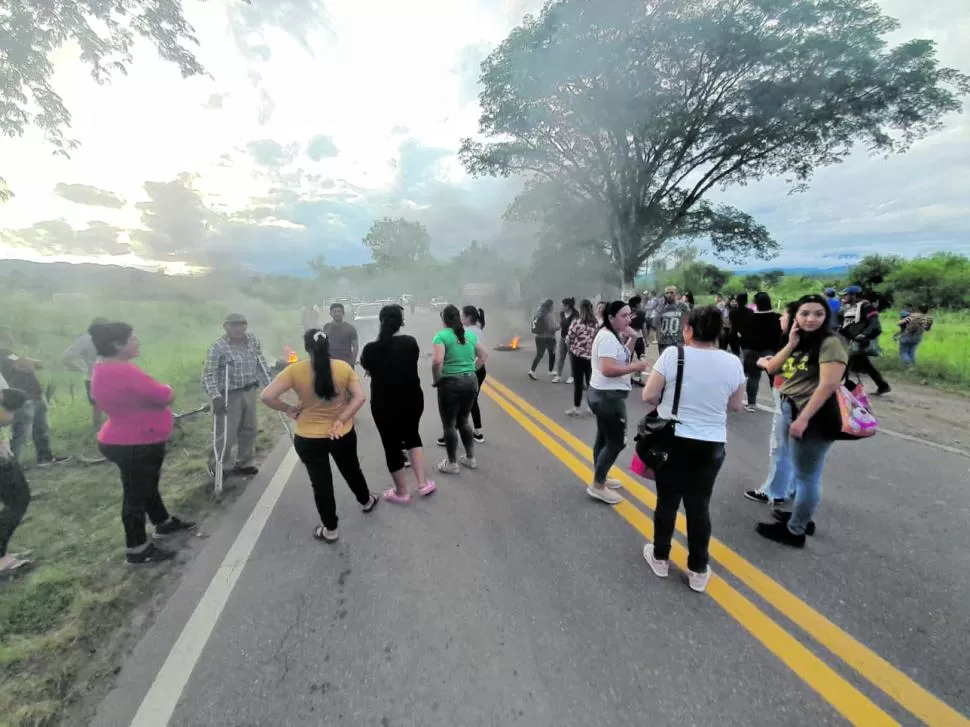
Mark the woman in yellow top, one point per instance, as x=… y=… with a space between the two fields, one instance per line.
x=330 y=395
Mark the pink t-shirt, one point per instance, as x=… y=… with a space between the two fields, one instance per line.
x=136 y=404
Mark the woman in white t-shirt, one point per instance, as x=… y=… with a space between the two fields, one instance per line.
x=609 y=387
x=713 y=384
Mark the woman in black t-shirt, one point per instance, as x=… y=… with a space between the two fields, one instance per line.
x=397 y=402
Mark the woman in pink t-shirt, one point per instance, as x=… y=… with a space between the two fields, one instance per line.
x=133 y=437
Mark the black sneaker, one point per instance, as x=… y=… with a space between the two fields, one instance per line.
x=371 y=504
x=245 y=471
x=149 y=556
x=783 y=517
x=780 y=533
x=50 y=461
x=759 y=496
x=174 y=525
x=882 y=391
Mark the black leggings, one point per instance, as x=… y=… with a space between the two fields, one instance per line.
x=398 y=422
x=141 y=470
x=14 y=499
x=582 y=369
x=752 y=373
x=545 y=346
x=687 y=475
x=315 y=454
x=456 y=396
x=476 y=412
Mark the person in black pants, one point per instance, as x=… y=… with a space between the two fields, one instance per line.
x=397 y=402
x=760 y=336
x=330 y=395
x=14 y=490
x=473 y=319
x=579 y=340
x=544 y=329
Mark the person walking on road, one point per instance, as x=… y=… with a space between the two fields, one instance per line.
x=544 y=327
x=235 y=406
x=813 y=364
x=737 y=314
x=579 y=339
x=473 y=319
x=397 y=402
x=670 y=316
x=344 y=343
x=457 y=356
x=139 y=421
x=713 y=384
x=760 y=335
x=330 y=395
x=566 y=316
x=860 y=327
x=609 y=387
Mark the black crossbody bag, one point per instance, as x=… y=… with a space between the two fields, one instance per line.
x=654 y=433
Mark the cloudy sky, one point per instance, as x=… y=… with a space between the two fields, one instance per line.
x=316 y=121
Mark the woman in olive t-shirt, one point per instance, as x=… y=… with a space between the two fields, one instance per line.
x=812 y=364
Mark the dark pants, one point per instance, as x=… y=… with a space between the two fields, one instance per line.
x=753 y=373
x=688 y=475
x=398 y=422
x=545 y=346
x=456 y=397
x=141 y=470
x=315 y=454
x=609 y=406
x=31 y=420
x=861 y=363
x=15 y=497
x=582 y=369
x=476 y=411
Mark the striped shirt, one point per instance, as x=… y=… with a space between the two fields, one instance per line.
x=247 y=367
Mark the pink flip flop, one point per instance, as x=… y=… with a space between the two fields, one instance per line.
x=427 y=488
x=392 y=495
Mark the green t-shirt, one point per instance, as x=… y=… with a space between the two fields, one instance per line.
x=801 y=376
x=459 y=359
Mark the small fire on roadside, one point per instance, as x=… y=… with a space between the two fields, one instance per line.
x=290 y=355
x=512 y=345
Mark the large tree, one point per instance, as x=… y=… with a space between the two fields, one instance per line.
x=397 y=243
x=638 y=109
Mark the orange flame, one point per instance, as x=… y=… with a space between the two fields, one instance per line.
x=514 y=343
x=290 y=354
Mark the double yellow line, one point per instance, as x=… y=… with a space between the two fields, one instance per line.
x=830 y=685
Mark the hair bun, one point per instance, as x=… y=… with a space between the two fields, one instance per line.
x=319 y=336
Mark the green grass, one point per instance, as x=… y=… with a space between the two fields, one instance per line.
x=58 y=623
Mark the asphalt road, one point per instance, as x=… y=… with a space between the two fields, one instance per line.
x=511 y=598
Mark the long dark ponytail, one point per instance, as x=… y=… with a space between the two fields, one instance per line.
x=611 y=310
x=317 y=344
x=451 y=317
x=392 y=319
x=475 y=315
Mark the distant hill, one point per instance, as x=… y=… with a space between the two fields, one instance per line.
x=809 y=272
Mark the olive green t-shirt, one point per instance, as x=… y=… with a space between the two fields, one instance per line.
x=459 y=358
x=801 y=376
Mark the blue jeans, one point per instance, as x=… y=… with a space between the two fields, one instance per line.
x=796 y=466
x=609 y=406
x=907 y=352
x=31 y=420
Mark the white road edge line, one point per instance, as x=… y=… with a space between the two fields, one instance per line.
x=159 y=704
x=908 y=437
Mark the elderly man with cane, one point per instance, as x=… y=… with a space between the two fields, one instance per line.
x=234 y=373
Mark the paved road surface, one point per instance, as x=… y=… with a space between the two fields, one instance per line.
x=510 y=598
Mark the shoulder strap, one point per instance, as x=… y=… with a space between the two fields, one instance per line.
x=679 y=382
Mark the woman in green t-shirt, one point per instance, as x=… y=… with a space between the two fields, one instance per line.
x=812 y=365
x=457 y=354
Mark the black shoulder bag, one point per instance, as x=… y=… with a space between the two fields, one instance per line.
x=654 y=433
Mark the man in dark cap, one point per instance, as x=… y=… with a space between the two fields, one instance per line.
x=242 y=353
x=859 y=325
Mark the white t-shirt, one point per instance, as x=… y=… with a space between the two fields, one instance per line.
x=607 y=345
x=710 y=377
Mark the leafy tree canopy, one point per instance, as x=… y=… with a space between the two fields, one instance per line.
x=397 y=242
x=637 y=110
x=938 y=281
x=872 y=270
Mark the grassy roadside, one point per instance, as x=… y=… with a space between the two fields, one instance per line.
x=58 y=623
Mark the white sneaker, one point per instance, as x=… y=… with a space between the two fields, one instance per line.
x=610 y=497
x=448 y=468
x=532 y=375
x=469 y=462
x=555 y=378
x=570 y=380
x=574 y=412
x=750 y=408
x=553 y=374
x=698 y=581
x=614 y=484
x=660 y=568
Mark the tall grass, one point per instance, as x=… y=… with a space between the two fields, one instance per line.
x=56 y=621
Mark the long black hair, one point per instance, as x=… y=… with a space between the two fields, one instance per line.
x=611 y=310
x=587 y=315
x=451 y=317
x=317 y=344
x=762 y=301
x=811 y=341
x=475 y=315
x=392 y=320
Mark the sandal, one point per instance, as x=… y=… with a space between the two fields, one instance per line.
x=397 y=498
x=427 y=488
x=327 y=536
